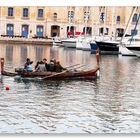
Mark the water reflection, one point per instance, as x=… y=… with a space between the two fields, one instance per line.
x=15 y=55
x=109 y=104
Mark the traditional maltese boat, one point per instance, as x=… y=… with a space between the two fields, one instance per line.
x=66 y=74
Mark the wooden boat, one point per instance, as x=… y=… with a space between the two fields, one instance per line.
x=66 y=74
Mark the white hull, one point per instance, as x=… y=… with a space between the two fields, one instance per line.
x=83 y=45
x=137 y=53
x=69 y=43
x=79 y=45
x=86 y=46
x=125 y=52
x=134 y=47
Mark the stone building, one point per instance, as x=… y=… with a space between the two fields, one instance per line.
x=61 y=21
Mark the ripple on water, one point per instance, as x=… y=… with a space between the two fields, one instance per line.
x=109 y=104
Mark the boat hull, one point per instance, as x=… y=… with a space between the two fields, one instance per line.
x=125 y=52
x=93 y=47
x=86 y=46
x=108 y=47
x=90 y=74
x=69 y=44
x=134 y=49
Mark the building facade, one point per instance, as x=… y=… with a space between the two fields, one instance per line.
x=63 y=21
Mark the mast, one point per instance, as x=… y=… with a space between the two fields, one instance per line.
x=113 y=29
x=135 y=28
x=128 y=23
x=104 y=28
x=86 y=18
x=69 y=18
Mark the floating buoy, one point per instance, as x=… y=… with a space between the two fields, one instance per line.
x=7 y=88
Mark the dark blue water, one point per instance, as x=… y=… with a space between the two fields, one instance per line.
x=109 y=104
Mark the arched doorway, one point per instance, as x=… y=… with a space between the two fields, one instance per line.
x=55 y=31
x=70 y=30
x=88 y=30
x=101 y=31
x=119 y=32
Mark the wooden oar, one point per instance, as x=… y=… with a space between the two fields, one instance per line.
x=56 y=74
x=72 y=66
x=79 y=67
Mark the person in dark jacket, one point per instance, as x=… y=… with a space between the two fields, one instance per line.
x=58 y=67
x=51 y=65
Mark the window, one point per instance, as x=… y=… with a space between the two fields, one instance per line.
x=118 y=19
x=25 y=12
x=10 y=11
x=10 y=29
x=102 y=16
x=55 y=15
x=101 y=8
x=88 y=30
x=40 y=12
x=86 y=15
x=70 y=14
x=134 y=18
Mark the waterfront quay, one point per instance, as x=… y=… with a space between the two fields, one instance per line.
x=23 y=40
x=109 y=104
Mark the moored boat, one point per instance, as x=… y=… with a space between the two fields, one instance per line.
x=69 y=42
x=135 y=49
x=133 y=45
x=124 y=51
x=93 y=47
x=108 y=47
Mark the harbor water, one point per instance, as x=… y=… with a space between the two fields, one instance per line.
x=108 y=104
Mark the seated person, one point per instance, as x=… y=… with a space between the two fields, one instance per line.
x=29 y=68
x=41 y=67
x=58 y=67
x=37 y=64
x=45 y=62
x=51 y=66
x=28 y=65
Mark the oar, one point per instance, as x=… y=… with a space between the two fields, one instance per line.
x=79 y=67
x=56 y=74
x=72 y=66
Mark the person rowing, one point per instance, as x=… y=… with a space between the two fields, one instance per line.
x=51 y=65
x=58 y=67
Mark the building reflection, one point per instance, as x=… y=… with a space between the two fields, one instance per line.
x=16 y=55
x=9 y=53
x=23 y=53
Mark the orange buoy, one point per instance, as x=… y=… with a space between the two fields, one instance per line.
x=7 y=88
